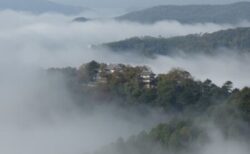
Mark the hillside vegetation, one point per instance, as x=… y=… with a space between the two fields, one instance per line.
x=193 y=102
x=238 y=39
x=229 y=13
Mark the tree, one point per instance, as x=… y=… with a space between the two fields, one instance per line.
x=228 y=86
x=242 y=100
x=88 y=72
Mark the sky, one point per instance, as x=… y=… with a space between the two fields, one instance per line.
x=138 y=3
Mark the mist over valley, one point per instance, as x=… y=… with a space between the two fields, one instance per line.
x=108 y=86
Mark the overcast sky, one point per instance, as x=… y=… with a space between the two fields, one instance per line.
x=139 y=3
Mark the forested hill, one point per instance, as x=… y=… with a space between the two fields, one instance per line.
x=177 y=93
x=230 y=13
x=238 y=39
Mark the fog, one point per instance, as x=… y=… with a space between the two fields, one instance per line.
x=37 y=113
x=226 y=66
x=52 y=40
x=217 y=144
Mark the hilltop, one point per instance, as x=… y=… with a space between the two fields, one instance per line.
x=228 y=13
x=238 y=39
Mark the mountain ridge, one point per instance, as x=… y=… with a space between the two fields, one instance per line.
x=208 y=43
x=223 y=13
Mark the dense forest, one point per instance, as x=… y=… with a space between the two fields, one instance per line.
x=229 y=13
x=208 y=43
x=176 y=92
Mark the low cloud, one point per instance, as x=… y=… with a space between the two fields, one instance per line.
x=52 y=40
x=227 y=65
x=37 y=114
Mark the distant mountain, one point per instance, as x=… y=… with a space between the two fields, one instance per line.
x=229 y=13
x=39 y=6
x=81 y=19
x=238 y=39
